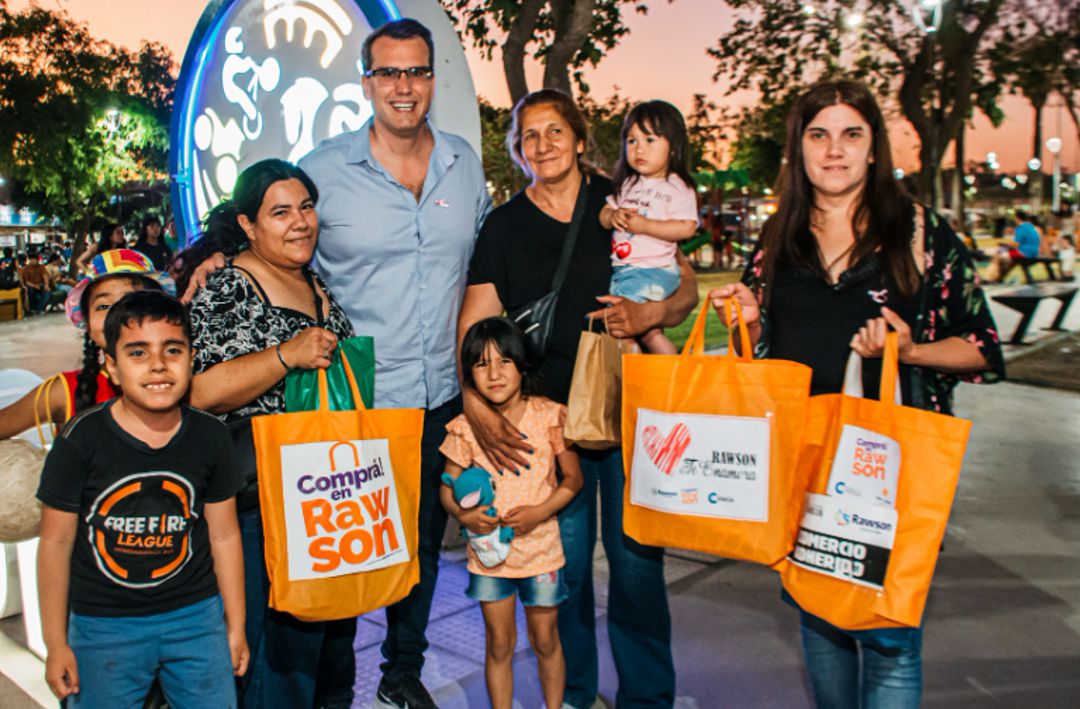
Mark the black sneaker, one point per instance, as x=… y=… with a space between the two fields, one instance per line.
x=406 y=692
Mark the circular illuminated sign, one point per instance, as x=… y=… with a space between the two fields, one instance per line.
x=272 y=78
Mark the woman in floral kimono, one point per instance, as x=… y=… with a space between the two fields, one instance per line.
x=846 y=258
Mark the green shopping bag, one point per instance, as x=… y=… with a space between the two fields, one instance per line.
x=302 y=385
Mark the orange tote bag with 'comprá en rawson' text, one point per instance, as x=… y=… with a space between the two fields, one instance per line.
x=882 y=481
x=340 y=493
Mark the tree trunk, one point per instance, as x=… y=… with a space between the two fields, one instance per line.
x=573 y=20
x=1037 y=144
x=513 y=49
x=959 y=150
x=1035 y=177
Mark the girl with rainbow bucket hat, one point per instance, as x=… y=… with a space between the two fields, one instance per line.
x=109 y=277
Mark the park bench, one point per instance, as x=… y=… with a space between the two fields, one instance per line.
x=1025 y=299
x=13 y=298
x=1025 y=265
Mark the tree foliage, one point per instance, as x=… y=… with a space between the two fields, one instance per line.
x=935 y=78
x=565 y=35
x=1037 y=55
x=705 y=129
x=79 y=117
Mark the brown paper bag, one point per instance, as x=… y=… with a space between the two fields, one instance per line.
x=593 y=418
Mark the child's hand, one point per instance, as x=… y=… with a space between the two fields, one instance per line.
x=61 y=672
x=524 y=519
x=478 y=521
x=238 y=651
x=622 y=218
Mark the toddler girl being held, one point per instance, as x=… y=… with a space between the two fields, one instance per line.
x=652 y=207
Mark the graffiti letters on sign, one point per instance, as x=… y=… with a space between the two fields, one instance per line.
x=281 y=76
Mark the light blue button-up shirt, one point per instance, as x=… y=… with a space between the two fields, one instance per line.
x=398 y=266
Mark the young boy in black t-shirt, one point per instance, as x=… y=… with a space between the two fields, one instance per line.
x=140 y=552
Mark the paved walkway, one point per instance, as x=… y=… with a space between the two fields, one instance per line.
x=1003 y=620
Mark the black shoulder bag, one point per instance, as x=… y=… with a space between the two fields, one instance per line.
x=537 y=319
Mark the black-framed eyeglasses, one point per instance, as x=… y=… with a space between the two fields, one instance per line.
x=393 y=73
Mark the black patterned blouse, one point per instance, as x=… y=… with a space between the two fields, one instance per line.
x=950 y=303
x=230 y=319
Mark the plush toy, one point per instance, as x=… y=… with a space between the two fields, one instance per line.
x=475 y=488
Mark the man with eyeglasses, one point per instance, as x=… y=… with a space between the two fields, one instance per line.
x=400 y=204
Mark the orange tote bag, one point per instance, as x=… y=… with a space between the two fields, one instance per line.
x=709 y=446
x=882 y=481
x=340 y=496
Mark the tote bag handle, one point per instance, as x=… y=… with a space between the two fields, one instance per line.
x=890 y=372
x=695 y=343
x=324 y=387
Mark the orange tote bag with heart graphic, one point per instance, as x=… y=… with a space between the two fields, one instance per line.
x=882 y=478
x=340 y=499
x=709 y=447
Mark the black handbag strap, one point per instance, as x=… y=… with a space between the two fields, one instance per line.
x=571 y=237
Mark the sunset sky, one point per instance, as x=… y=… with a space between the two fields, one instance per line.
x=664 y=57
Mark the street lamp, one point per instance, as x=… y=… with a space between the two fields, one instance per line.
x=927 y=15
x=1034 y=164
x=1054 y=146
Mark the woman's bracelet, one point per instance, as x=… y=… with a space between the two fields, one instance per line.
x=280 y=358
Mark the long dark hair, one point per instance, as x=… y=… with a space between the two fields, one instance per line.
x=566 y=108
x=221 y=230
x=86 y=382
x=105 y=242
x=881 y=222
x=662 y=119
x=510 y=343
x=144 y=230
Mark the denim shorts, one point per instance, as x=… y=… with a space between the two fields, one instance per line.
x=642 y=284
x=187 y=649
x=544 y=590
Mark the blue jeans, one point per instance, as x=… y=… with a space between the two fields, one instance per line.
x=846 y=673
x=293 y=663
x=406 y=620
x=639 y=623
x=186 y=649
x=38 y=300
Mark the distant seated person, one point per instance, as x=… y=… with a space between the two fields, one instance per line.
x=9 y=273
x=1024 y=245
x=60 y=281
x=969 y=241
x=1065 y=250
x=35 y=279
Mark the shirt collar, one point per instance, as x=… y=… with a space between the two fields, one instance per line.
x=443 y=154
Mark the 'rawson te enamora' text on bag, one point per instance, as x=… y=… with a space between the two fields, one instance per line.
x=709 y=445
x=882 y=481
x=340 y=493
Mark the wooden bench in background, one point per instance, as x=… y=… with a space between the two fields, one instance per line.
x=1025 y=299
x=12 y=298
x=1025 y=265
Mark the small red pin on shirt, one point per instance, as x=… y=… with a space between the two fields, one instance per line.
x=442 y=203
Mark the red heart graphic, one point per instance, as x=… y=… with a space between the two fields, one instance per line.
x=665 y=452
x=622 y=249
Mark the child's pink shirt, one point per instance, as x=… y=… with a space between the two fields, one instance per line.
x=655 y=198
x=539 y=551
